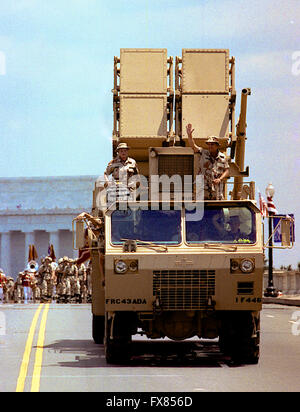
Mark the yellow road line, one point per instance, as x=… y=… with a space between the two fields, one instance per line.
x=26 y=355
x=35 y=382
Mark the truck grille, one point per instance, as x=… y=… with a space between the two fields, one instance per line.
x=183 y=289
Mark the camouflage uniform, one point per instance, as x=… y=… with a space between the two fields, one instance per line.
x=89 y=281
x=75 y=286
x=46 y=272
x=71 y=279
x=82 y=282
x=60 y=281
x=119 y=169
x=34 y=283
x=212 y=168
x=9 y=289
x=19 y=288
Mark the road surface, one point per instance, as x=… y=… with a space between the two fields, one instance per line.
x=49 y=348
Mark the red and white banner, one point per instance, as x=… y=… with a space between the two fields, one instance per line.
x=271 y=206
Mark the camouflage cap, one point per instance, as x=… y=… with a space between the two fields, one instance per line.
x=212 y=139
x=122 y=146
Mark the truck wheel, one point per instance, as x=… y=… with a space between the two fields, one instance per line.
x=117 y=341
x=240 y=336
x=98 y=329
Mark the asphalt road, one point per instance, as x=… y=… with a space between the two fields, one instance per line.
x=48 y=348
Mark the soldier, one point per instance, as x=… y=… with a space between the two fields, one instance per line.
x=74 y=279
x=9 y=289
x=82 y=282
x=122 y=167
x=47 y=275
x=3 y=281
x=213 y=165
x=34 y=284
x=71 y=279
x=89 y=282
x=60 y=281
x=18 y=289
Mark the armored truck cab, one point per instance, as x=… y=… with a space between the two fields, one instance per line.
x=178 y=272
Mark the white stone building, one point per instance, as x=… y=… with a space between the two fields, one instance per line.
x=39 y=211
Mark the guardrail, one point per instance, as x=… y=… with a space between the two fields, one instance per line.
x=287 y=281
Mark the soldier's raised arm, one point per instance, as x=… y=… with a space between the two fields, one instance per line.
x=189 y=130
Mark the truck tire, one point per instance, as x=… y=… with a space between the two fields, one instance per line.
x=98 y=329
x=239 y=337
x=117 y=341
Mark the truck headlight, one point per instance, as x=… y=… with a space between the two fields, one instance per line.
x=247 y=266
x=121 y=266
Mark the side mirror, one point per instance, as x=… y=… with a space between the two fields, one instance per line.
x=285 y=232
x=79 y=232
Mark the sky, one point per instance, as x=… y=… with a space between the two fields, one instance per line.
x=56 y=76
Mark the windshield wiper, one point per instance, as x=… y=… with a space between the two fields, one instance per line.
x=129 y=245
x=230 y=248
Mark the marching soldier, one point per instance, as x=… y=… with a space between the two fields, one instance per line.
x=18 y=289
x=60 y=281
x=9 y=289
x=34 y=284
x=3 y=282
x=47 y=275
x=71 y=279
x=75 y=286
x=89 y=282
x=82 y=282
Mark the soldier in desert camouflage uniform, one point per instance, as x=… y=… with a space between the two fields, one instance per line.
x=213 y=166
x=122 y=167
x=82 y=282
x=9 y=289
x=18 y=289
x=47 y=274
x=72 y=282
x=60 y=280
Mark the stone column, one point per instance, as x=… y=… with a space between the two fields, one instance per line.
x=54 y=240
x=5 y=254
x=29 y=240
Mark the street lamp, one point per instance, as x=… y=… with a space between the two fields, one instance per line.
x=271 y=290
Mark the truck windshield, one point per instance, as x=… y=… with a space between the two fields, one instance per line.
x=233 y=224
x=157 y=226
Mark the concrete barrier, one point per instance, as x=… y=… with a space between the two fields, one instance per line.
x=287 y=281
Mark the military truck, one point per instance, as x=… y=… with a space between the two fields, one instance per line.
x=167 y=263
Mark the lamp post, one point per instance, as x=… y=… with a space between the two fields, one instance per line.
x=270 y=290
